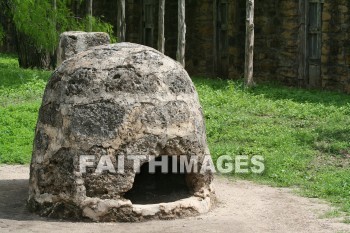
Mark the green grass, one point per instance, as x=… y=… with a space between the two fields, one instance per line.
x=20 y=97
x=303 y=135
x=335 y=213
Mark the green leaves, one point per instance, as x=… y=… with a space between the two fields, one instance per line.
x=38 y=20
x=97 y=26
x=43 y=22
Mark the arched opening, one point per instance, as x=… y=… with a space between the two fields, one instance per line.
x=159 y=187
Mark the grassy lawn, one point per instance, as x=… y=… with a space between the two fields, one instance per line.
x=20 y=97
x=303 y=135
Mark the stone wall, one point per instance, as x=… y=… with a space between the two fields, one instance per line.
x=236 y=38
x=170 y=22
x=277 y=45
x=276 y=41
x=134 y=28
x=133 y=20
x=200 y=37
x=199 y=22
x=277 y=24
x=336 y=45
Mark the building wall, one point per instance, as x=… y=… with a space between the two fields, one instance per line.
x=236 y=38
x=277 y=44
x=276 y=54
x=200 y=37
x=336 y=45
x=133 y=13
x=170 y=24
x=134 y=27
x=276 y=41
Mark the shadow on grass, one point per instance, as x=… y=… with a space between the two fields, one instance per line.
x=213 y=83
x=11 y=76
x=275 y=91
x=279 y=92
x=334 y=141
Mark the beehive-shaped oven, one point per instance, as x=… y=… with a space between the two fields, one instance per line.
x=120 y=137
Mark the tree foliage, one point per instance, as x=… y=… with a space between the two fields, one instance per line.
x=43 y=22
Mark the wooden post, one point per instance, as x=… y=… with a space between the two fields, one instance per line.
x=181 y=41
x=249 y=44
x=54 y=10
x=121 y=26
x=161 y=39
x=89 y=11
x=302 y=73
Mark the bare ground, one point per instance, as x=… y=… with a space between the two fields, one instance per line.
x=244 y=207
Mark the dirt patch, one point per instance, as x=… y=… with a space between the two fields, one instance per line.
x=243 y=207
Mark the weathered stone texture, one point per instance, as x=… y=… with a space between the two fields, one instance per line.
x=335 y=45
x=115 y=100
x=200 y=38
x=72 y=43
x=276 y=45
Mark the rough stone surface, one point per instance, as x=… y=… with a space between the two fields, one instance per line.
x=73 y=42
x=335 y=58
x=116 y=100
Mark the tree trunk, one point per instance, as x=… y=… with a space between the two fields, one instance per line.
x=121 y=26
x=89 y=13
x=161 y=39
x=249 y=45
x=181 y=41
x=8 y=45
x=29 y=56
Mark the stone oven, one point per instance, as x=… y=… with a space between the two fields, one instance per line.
x=108 y=113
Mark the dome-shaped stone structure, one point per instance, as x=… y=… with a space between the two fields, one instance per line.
x=107 y=113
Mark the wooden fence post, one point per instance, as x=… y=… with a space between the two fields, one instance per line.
x=89 y=13
x=121 y=26
x=181 y=41
x=249 y=45
x=161 y=39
